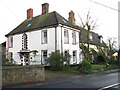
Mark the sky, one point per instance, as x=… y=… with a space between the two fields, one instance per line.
x=13 y=13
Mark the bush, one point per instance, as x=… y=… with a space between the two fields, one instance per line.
x=113 y=61
x=100 y=60
x=84 y=66
x=55 y=61
x=8 y=62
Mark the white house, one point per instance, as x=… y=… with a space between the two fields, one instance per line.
x=45 y=33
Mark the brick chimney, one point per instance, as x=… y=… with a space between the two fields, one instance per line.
x=29 y=13
x=71 y=18
x=45 y=8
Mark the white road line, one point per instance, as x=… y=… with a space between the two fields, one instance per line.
x=109 y=86
x=41 y=83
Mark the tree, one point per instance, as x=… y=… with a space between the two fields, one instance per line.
x=105 y=54
x=88 y=25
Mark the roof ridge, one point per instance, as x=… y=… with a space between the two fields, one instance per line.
x=57 y=20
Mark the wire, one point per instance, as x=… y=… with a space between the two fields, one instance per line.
x=105 y=6
x=10 y=10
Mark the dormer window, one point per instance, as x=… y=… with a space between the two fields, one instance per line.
x=100 y=38
x=90 y=36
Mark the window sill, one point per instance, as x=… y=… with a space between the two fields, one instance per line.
x=74 y=43
x=11 y=47
x=66 y=43
x=44 y=43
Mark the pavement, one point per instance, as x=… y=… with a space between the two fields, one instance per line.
x=58 y=77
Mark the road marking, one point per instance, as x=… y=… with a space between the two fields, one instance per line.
x=41 y=83
x=109 y=86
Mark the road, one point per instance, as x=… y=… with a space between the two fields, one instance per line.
x=101 y=80
x=98 y=81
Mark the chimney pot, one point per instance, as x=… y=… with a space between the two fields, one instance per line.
x=45 y=8
x=29 y=13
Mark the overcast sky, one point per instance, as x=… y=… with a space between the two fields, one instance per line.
x=13 y=12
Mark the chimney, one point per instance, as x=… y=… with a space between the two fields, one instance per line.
x=71 y=18
x=45 y=8
x=29 y=13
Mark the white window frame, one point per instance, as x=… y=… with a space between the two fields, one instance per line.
x=24 y=41
x=44 y=38
x=74 y=57
x=73 y=37
x=10 y=40
x=44 y=58
x=66 y=37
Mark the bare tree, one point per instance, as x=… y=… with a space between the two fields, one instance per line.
x=88 y=25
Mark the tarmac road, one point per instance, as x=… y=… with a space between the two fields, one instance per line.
x=98 y=81
x=101 y=81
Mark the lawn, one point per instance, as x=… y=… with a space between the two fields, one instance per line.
x=97 y=67
x=94 y=68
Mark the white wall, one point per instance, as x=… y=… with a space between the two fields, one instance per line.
x=34 y=43
x=17 y=46
x=69 y=46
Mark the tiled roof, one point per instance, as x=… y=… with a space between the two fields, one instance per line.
x=49 y=19
x=95 y=38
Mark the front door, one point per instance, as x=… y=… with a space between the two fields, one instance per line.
x=25 y=59
x=74 y=57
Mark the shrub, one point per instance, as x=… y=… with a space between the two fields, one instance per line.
x=8 y=62
x=84 y=66
x=113 y=61
x=55 y=61
x=100 y=59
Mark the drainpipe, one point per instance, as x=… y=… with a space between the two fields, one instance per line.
x=55 y=38
x=61 y=41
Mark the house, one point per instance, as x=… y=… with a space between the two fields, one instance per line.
x=45 y=33
x=3 y=50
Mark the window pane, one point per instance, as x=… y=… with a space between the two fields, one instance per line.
x=44 y=36
x=10 y=41
x=24 y=41
x=73 y=37
x=66 y=37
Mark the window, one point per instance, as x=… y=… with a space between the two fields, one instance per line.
x=24 y=42
x=66 y=37
x=10 y=42
x=44 y=36
x=90 y=36
x=66 y=52
x=44 y=56
x=74 y=56
x=73 y=37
